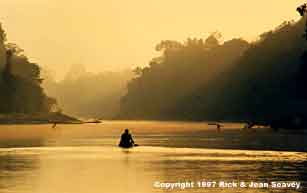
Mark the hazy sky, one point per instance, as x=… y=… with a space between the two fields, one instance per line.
x=116 y=34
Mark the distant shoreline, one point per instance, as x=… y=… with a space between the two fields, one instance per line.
x=40 y=118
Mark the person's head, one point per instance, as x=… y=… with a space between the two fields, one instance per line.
x=126 y=130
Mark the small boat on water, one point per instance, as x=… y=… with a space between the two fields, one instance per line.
x=126 y=140
x=128 y=146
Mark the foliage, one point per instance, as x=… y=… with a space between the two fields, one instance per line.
x=20 y=82
x=209 y=80
x=88 y=95
x=182 y=69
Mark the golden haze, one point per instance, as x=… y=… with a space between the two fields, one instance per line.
x=116 y=34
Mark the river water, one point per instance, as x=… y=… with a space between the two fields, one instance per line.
x=85 y=158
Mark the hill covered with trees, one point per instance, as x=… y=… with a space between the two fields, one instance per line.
x=86 y=94
x=20 y=82
x=209 y=80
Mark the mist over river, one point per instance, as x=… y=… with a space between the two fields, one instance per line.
x=85 y=158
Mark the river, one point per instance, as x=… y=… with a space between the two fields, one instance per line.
x=85 y=158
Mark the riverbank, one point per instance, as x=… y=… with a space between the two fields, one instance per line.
x=41 y=118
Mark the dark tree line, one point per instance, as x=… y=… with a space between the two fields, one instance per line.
x=163 y=90
x=302 y=79
x=207 y=80
x=20 y=82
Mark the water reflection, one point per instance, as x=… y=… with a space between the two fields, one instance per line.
x=16 y=171
x=109 y=169
x=85 y=159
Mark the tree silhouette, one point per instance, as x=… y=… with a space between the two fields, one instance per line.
x=302 y=80
x=20 y=82
x=302 y=11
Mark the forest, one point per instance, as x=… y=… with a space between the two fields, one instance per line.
x=215 y=80
x=20 y=82
x=88 y=94
x=198 y=79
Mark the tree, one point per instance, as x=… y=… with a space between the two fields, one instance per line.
x=302 y=11
x=213 y=40
x=2 y=34
x=20 y=83
x=168 y=45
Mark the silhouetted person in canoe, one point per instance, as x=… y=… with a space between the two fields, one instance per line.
x=126 y=140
